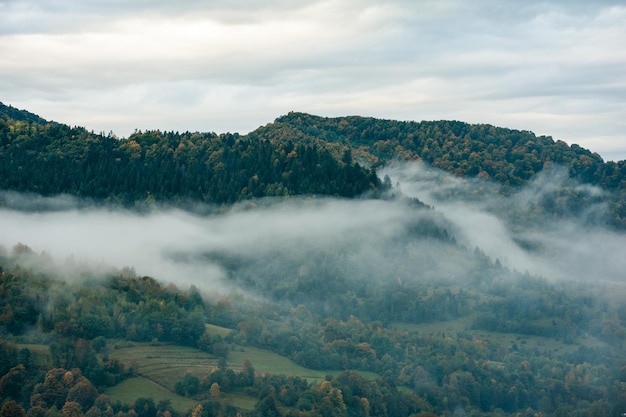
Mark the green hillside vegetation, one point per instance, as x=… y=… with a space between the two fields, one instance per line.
x=167 y=364
x=430 y=364
x=298 y=154
x=509 y=157
x=169 y=167
x=163 y=367
x=132 y=389
x=404 y=324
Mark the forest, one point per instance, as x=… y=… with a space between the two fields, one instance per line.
x=314 y=267
x=173 y=167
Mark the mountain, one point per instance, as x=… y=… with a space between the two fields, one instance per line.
x=169 y=167
x=478 y=277
x=508 y=156
x=297 y=154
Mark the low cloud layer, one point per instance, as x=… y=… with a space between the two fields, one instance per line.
x=553 y=67
x=170 y=244
x=373 y=239
x=555 y=244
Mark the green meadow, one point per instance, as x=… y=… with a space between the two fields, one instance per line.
x=160 y=366
x=140 y=387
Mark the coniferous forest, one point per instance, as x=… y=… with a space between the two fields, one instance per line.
x=313 y=267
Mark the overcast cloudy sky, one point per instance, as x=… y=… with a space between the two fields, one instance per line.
x=553 y=67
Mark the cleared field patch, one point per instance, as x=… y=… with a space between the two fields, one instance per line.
x=522 y=341
x=166 y=364
x=265 y=361
x=239 y=400
x=39 y=354
x=212 y=329
x=128 y=391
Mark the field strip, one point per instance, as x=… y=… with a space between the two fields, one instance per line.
x=130 y=390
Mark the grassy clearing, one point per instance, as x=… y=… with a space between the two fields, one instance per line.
x=131 y=389
x=39 y=354
x=212 y=329
x=239 y=400
x=265 y=361
x=166 y=364
x=523 y=341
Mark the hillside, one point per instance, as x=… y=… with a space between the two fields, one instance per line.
x=335 y=267
x=495 y=344
x=11 y=113
x=508 y=157
x=298 y=154
x=176 y=168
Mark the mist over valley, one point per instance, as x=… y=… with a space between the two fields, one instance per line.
x=381 y=239
x=337 y=267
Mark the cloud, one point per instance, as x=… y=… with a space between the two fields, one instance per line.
x=565 y=242
x=170 y=244
x=370 y=240
x=552 y=67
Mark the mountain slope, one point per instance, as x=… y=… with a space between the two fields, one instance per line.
x=509 y=157
x=297 y=154
x=483 y=303
x=52 y=158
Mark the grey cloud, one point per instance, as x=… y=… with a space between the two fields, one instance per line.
x=154 y=244
x=69 y=15
x=377 y=240
x=553 y=67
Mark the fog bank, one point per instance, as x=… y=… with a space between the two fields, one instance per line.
x=541 y=228
x=369 y=239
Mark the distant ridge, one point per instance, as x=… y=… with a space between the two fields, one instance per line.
x=297 y=154
x=10 y=112
x=174 y=168
x=508 y=156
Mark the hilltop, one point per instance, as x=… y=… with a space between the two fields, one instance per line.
x=297 y=154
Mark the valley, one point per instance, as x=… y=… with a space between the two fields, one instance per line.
x=345 y=267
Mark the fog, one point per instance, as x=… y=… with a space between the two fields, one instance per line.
x=169 y=244
x=369 y=239
x=511 y=226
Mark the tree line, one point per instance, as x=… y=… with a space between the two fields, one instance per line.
x=507 y=156
x=169 y=167
x=296 y=154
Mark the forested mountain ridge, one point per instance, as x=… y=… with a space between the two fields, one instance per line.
x=11 y=113
x=510 y=157
x=49 y=158
x=296 y=154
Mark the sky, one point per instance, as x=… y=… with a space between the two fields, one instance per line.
x=555 y=68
